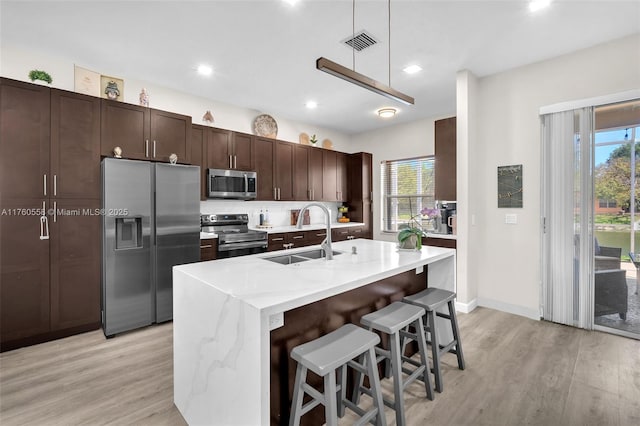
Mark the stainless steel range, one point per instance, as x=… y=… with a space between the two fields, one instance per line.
x=234 y=236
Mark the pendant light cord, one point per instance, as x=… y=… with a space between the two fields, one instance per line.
x=353 y=34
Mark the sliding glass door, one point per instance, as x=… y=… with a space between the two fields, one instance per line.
x=616 y=218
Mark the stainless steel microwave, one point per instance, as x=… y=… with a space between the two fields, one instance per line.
x=234 y=184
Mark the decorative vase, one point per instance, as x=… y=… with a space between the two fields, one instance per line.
x=411 y=243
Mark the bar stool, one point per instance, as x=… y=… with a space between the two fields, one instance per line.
x=324 y=355
x=431 y=299
x=394 y=320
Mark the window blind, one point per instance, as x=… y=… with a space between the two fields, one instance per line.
x=407 y=187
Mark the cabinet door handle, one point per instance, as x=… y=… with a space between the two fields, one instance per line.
x=44 y=224
x=55 y=212
x=154 y=149
x=297 y=237
x=146 y=148
x=207 y=246
x=279 y=194
x=230 y=162
x=275 y=193
x=313 y=194
x=278 y=239
x=44 y=185
x=324 y=234
x=235 y=161
x=55 y=185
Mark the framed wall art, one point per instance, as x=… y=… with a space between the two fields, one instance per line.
x=510 y=186
x=111 y=88
x=86 y=81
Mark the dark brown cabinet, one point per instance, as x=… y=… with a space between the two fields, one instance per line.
x=284 y=171
x=75 y=145
x=229 y=150
x=75 y=264
x=144 y=133
x=445 y=165
x=439 y=242
x=49 y=250
x=315 y=173
x=198 y=154
x=334 y=176
x=24 y=139
x=348 y=233
x=301 y=173
x=263 y=160
x=360 y=167
x=208 y=249
x=287 y=240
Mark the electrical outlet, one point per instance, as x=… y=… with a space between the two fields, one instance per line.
x=276 y=321
x=511 y=219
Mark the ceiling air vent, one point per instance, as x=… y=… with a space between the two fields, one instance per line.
x=360 y=41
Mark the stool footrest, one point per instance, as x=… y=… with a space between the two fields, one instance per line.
x=365 y=416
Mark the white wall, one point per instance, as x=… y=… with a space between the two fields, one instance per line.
x=16 y=62
x=504 y=260
x=406 y=140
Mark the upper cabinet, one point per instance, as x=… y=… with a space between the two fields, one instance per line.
x=263 y=160
x=199 y=139
x=284 y=171
x=445 y=150
x=75 y=145
x=229 y=150
x=144 y=133
x=334 y=176
x=301 y=173
x=24 y=139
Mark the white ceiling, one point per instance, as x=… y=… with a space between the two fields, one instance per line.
x=264 y=52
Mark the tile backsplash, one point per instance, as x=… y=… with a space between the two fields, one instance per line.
x=279 y=211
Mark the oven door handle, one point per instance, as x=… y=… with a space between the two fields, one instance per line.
x=235 y=246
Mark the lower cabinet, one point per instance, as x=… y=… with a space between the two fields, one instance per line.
x=50 y=270
x=349 y=233
x=208 y=249
x=287 y=240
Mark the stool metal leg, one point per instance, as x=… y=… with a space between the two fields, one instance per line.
x=372 y=372
x=424 y=359
x=456 y=334
x=298 y=395
x=330 y=402
x=396 y=370
x=435 y=349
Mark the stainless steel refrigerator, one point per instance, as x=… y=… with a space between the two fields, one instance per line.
x=151 y=222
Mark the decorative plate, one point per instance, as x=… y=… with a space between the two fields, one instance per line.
x=265 y=125
x=304 y=139
x=327 y=144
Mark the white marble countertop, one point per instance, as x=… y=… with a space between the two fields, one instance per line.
x=224 y=311
x=312 y=227
x=272 y=288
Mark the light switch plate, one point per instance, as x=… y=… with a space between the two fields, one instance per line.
x=511 y=219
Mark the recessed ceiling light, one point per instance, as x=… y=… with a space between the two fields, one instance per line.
x=311 y=104
x=536 y=5
x=205 y=70
x=291 y=2
x=412 y=69
x=387 y=112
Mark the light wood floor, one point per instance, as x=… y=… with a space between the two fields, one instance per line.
x=518 y=372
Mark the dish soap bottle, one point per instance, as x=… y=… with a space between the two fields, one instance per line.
x=261 y=220
x=266 y=217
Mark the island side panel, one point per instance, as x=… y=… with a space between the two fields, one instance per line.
x=216 y=347
x=311 y=321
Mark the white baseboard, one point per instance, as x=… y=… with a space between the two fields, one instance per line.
x=465 y=308
x=533 y=314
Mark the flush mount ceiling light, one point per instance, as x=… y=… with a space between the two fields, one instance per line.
x=536 y=5
x=387 y=112
x=412 y=69
x=205 y=70
x=311 y=104
x=350 y=75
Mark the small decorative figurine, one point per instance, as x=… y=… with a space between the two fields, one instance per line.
x=207 y=117
x=173 y=158
x=144 y=98
x=112 y=90
x=117 y=152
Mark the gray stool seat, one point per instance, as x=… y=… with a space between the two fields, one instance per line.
x=432 y=299
x=395 y=320
x=324 y=355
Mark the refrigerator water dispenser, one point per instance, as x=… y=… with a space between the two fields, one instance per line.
x=128 y=232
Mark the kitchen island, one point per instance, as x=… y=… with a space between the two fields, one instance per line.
x=227 y=312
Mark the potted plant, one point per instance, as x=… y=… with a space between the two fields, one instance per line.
x=40 y=75
x=410 y=234
x=313 y=140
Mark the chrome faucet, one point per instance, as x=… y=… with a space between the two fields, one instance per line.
x=326 y=244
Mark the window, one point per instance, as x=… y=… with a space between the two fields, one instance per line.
x=407 y=187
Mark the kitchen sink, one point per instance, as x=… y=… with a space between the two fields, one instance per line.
x=288 y=259
x=316 y=254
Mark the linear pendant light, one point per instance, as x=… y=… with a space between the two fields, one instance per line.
x=330 y=67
